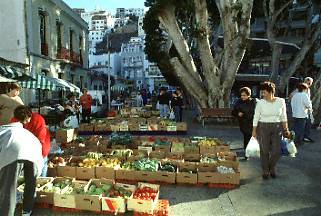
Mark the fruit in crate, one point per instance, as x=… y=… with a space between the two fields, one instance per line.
x=209 y=142
x=145 y=193
x=57 y=161
x=88 y=163
x=109 y=162
x=205 y=159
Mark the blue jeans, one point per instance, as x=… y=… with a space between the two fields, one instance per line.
x=45 y=167
x=178 y=113
x=163 y=109
x=299 y=129
x=307 y=129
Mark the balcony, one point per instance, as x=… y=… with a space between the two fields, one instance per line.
x=66 y=54
x=44 y=49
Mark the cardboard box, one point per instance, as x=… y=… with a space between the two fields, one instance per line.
x=143 y=127
x=186 y=178
x=162 y=127
x=123 y=127
x=167 y=177
x=171 y=128
x=157 y=154
x=105 y=172
x=65 y=135
x=163 y=148
x=66 y=171
x=230 y=163
x=44 y=197
x=64 y=200
x=134 y=127
x=207 y=167
x=214 y=149
x=91 y=202
x=146 y=176
x=52 y=172
x=144 y=206
x=187 y=165
x=174 y=155
x=152 y=127
x=219 y=178
x=83 y=173
x=192 y=157
x=152 y=121
x=102 y=128
x=191 y=149
x=181 y=126
x=125 y=174
x=86 y=127
x=147 y=149
x=114 y=128
x=118 y=204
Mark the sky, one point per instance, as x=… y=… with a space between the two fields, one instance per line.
x=109 y=5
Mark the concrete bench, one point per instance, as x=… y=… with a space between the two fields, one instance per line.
x=216 y=113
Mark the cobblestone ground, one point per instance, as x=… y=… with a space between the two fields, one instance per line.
x=296 y=191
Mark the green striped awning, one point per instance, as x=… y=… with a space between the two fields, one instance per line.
x=14 y=73
x=40 y=82
x=49 y=83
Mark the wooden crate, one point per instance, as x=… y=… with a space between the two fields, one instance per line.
x=144 y=206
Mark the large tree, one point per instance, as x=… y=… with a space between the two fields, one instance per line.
x=278 y=15
x=182 y=35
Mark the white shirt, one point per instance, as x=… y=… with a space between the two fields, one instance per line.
x=17 y=143
x=270 y=112
x=301 y=105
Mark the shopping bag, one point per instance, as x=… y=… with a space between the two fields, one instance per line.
x=291 y=148
x=157 y=106
x=253 y=148
x=172 y=115
x=284 y=149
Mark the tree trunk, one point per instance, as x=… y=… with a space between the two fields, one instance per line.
x=276 y=55
x=316 y=98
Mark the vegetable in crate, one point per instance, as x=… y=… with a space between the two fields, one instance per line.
x=128 y=166
x=168 y=167
x=117 y=138
x=120 y=192
x=120 y=153
x=162 y=142
x=146 y=164
x=103 y=189
x=205 y=159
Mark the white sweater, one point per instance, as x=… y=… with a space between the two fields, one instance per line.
x=270 y=112
x=301 y=105
x=17 y=143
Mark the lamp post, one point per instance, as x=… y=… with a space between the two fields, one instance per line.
x=108 y=88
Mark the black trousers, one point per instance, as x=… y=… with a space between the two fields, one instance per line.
x=8 y=186
x=86 y=115
x=246 y=138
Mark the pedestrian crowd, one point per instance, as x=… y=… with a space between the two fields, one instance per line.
x=266 y=120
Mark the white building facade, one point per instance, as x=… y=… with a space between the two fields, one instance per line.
x=48 y=36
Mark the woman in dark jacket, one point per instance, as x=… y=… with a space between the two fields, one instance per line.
x=177 y=104
x=244 y=110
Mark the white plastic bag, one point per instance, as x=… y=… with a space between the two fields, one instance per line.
x=157 y=106
x=291 y=148
x=172 y=115
x=253 y=148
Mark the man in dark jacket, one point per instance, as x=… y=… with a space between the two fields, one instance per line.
x=244 y=110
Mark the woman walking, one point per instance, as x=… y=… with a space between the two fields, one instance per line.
x=269 y=120
x=177 y=104
x=163 y=101
x=244 y=111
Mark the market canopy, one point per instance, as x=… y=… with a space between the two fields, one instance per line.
x=119 y=87
x=14 y=73
x=6 y=80
x=49 y=83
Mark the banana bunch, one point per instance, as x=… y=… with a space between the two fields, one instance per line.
x=110 y=162
x=94 y=155
x=88 y=163
x=208 y=143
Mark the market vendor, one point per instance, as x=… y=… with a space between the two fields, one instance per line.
x=86 y=102
x=37 y=126
x=19 y=150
